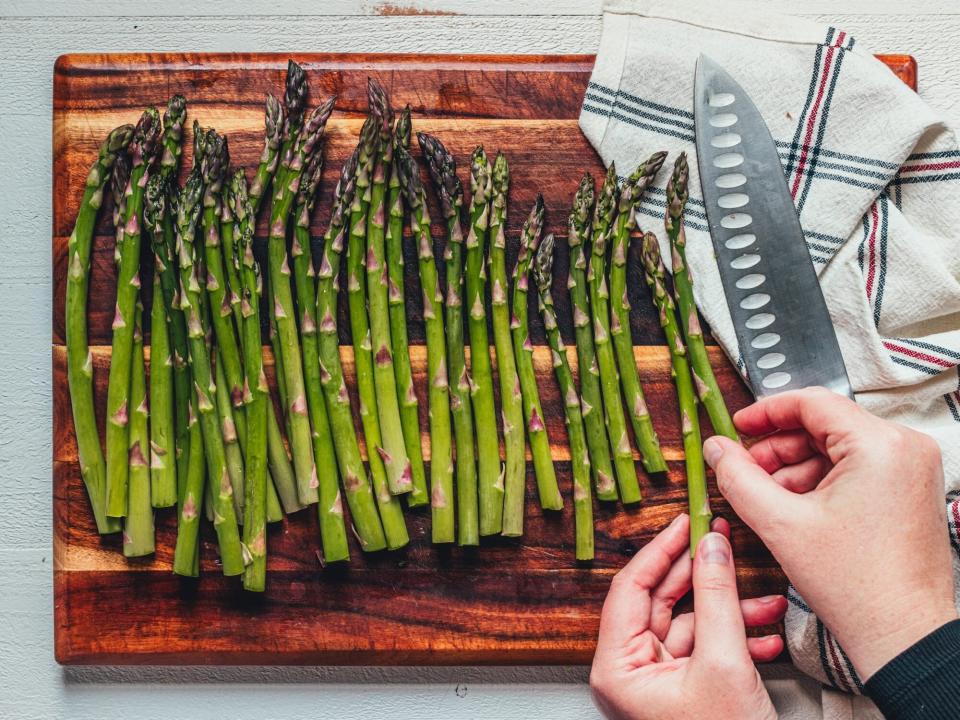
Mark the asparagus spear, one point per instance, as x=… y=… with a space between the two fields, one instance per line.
x=626 y=223
x=511 y=400
x=523 y=351
x=333 y=532
x=164 y=241
x=392 y=449
x=441 y=460
x=491 y=481
x=443 y=172
x=706 y=384
x=591 y=404
x=579 y=457
x=281 y=471
x=142 y=148
x=225 y=519
x=231 y=263
x=118 y=188
x=163 y=468
x=600 y=303
x=138 y=537
x=699 y=502
x=360 y=497
x=395 y=531
x=409 y=408
x=228 y=429
x=270 y=157
x=79 y=360
x=301 y=437
x=255 y=391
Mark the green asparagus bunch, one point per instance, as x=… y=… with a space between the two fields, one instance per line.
x=389 y=529
x=706 y=384
x=547 y=487
x=443 y=172
x=579 y=455
x=79 y=359
x=626 y=222
x=655 y=273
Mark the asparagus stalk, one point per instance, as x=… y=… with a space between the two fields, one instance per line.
x=142 y=148
x=441 y=459
x=228 y=429
x=372 y=534
x=547 y=487
x=409 y=407
x=225 y=519
x=490 y=477
x=79 y=360
x=591 y=401
x=333 y=532
x=600 y=303
x=138 y=537
x=231 y=263
x=579 y=457
x=703 y=379
x=443 y=172
x=699 y=502
x=164 y=241
x=395 y=531
x=392 y=449
x=301 y=437
x=255 y=391
x=186 y=554
x=281 y=471
x=626 y=223
x=163 y=468
x=511 y=400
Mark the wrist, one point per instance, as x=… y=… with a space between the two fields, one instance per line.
x=895 y=635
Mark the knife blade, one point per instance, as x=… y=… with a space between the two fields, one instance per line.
x=786 y=337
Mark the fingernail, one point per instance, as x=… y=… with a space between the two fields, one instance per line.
x=714 y=549
x=769 y=599
x=712 y=452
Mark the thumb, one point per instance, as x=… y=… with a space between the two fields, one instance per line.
x=720 y=638
x=755 y=496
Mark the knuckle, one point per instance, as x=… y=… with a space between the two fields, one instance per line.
x=599 y=681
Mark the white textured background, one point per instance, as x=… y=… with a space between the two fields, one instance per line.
x=32 y=35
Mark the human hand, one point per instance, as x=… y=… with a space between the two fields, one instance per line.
x=650 y=664
x=852 y=508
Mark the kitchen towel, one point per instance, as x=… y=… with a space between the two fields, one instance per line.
x=875 y=175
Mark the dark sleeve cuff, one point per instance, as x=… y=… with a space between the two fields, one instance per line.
x=923 y=681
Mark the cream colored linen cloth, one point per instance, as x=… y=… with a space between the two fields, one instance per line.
x=875 y=175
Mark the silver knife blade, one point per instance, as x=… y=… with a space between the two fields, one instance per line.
x=786 y=337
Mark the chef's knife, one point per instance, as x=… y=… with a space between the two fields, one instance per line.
x=783 y=328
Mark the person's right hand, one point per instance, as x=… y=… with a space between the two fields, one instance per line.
x=853 y=509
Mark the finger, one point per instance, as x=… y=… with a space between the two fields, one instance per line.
x=805 y=476
x=678 y=640
x=781 y=449
x=820 y=412
x=675 y=585
x=719 y=634
x=766 y=648
x=763 y=610
x=754 y=495
x=626 y=611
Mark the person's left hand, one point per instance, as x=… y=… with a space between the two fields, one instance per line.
x=650 y=664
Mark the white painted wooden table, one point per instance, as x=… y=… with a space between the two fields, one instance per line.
x=32 y=35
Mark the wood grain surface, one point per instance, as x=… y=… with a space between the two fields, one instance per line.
x=511 y=601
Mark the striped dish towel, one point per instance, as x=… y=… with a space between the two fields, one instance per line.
x=875 y=175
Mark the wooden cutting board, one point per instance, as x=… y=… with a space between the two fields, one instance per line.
x=509 y=602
